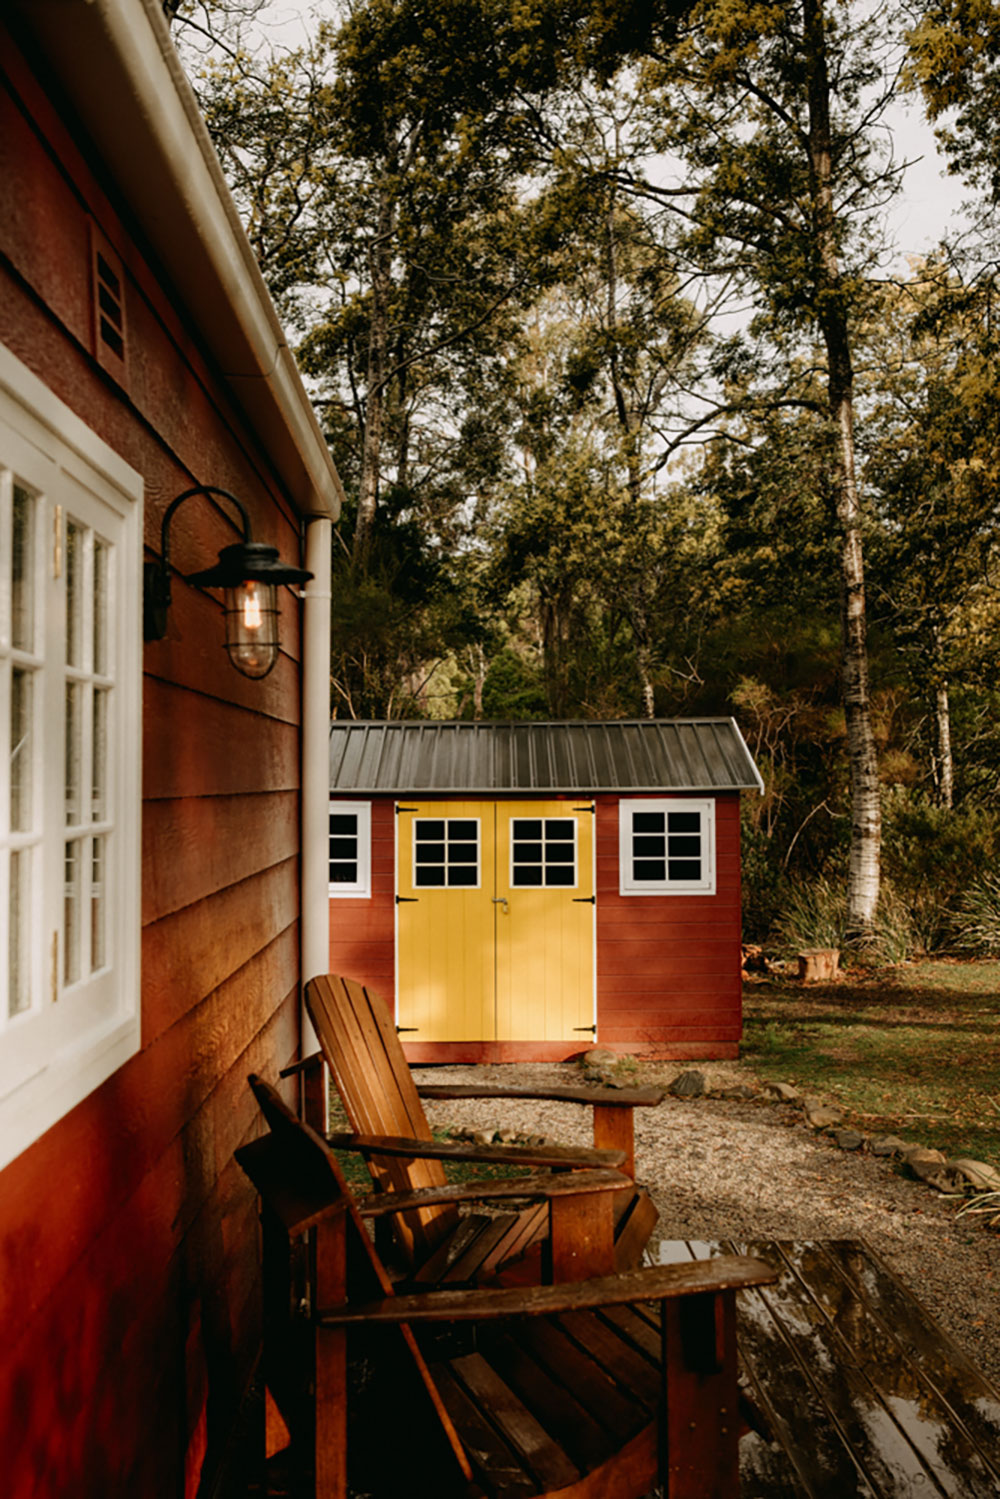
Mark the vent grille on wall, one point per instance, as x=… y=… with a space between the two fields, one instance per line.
x=108 y=283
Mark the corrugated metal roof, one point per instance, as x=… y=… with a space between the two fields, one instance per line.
x=663 y=754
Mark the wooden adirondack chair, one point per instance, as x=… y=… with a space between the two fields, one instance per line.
x=437 y=1245
x=585 y=1390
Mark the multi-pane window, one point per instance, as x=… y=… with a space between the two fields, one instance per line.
x=69 y=780
x=667 y=846
x=446 y=852
x=350 y=848
x=543 y=851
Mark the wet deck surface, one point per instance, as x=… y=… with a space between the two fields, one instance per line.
x=854 y=1390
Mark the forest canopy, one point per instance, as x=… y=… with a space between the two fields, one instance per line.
x=638 y=409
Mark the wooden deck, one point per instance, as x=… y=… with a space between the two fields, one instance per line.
x=852 y=1390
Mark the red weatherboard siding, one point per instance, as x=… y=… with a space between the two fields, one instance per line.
x=128 y=1238
x=668 y=967
x=363 y=932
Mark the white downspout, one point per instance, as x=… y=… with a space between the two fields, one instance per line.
x=315 y=917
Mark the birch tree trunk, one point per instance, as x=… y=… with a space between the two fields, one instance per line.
x=945 y=762
x=866 y=820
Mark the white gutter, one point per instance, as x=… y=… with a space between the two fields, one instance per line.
x=116 y=62
x=315 y=913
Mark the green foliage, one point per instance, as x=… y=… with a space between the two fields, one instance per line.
x=935 y=856
x=977 y=922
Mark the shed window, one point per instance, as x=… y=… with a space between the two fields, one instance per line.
x=350 y=848
x=543 y=851
x=446 y=852
x=70 y=685
x=667 y=847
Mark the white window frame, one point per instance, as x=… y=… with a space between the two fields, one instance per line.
x=362 y=886
x=446 y=819
x=628 y=884
x=73 y=1035
x=545 y=885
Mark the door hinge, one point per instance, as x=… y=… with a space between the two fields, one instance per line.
x=405 y=809
x=400 y=1029
x=590 y=807
x=407 y=900
x=585 y=900
x=591 y=1028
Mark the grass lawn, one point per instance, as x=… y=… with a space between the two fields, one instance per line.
x=913 y=1051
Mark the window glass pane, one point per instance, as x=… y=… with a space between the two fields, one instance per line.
x=99 y=760
x=685 y=848
x=685 y=822
x=463 y=853
x=527 y=853
x=22 y=683
x=71 y=912
x=428 y=829
x=74 y=595
x=343 y=848
x=685 y=869
x=428 y=875
x=19 y=955
x=430 y=853
x=22 y=571
x=527 y=874
x=560 y=853
x=559 y=830
x=98 y=906
x=648 y=822
x=343 y=873
x=446 y=851
x=649 y=847
x=560 y=874
x=100 y=601
x=527 y=827
x=74 y=737
x=462 y=828
x=650 y=869
x=344 y=822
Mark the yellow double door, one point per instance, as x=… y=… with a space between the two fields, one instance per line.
x=495 y=921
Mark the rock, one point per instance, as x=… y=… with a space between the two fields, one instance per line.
x=983 y=1177
x=849 y=1139
x=886 y=1145
x=598 y=1056
x=507 y=1136
x=931 y=1167
x=737 y=1093
x=784 y=1092
x=821 y=1116
x=688 y=1085
x=754 y=960
x=483 y=1136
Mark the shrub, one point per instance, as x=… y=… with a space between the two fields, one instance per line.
x=813 y=916
x=933 y=856
x=977 y=923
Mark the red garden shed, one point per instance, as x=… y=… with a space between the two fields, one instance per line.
x=161 y=889
x=518 y=891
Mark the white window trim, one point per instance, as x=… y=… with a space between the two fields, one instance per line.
x=557 y=817
x=705 y=807
x=65 y=453
x=447 y=818
x=361 y=888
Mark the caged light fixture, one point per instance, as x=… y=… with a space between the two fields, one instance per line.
x=249 y=571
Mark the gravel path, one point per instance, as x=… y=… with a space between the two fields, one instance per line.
x=753 y=1170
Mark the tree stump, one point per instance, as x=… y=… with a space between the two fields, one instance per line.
x=818 y=965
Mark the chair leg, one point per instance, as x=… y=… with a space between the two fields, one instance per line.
x=700 y=1417
x=330 y=1369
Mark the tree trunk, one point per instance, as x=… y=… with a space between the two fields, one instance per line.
x=866 y=818
x=945 y=763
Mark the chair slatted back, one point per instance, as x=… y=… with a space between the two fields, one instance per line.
x=372 y=1076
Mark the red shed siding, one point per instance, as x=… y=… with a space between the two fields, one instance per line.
x=668 y=966
x=128 y=1241
x=363 y=932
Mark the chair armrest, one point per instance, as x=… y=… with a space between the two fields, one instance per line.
x=536 y=1188
x=660 y=1283
x=557 y=1156
x=313 y=1060
x=614 y=1097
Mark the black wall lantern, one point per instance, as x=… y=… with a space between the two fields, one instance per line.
x=249 y=571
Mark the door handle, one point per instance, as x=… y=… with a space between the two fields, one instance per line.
x=501 y=900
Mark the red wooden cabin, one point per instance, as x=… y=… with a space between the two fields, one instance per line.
x=519 y=891
x=159 y=900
